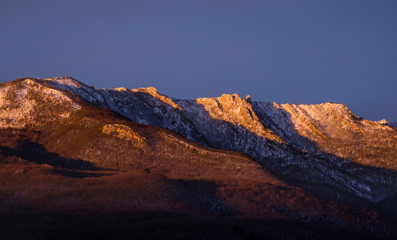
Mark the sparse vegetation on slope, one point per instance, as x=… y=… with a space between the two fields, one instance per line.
x=62 y=154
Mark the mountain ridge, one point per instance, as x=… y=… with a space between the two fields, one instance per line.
x=286 y=138
x=139 y=149
x=74 y=140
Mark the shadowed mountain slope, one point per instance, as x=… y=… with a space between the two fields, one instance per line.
x=334 y=129
x=65 y=145
x=323 y=148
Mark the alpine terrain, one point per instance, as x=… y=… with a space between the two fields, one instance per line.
x=90 y=163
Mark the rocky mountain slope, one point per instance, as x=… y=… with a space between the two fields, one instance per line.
x=323 y=148
x=66 y=145
x=333 y=128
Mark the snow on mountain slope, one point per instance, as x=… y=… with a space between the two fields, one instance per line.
x=143 y=105
x=19 y=103
x=231 y=123
x=34 y=113
x=146 y=105
x=61 y=137
x=314 y=146
x=228 y=123
x=233 y=109
x=88 y=93
x=334 y=129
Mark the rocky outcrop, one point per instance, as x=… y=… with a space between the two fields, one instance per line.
x=126 y=133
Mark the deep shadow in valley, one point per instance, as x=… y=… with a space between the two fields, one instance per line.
x=31 y=224
x=33 y=152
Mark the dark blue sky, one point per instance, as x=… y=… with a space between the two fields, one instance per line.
x=282 y=51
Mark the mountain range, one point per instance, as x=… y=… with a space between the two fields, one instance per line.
x=253 y=169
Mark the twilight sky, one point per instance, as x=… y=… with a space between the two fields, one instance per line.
x=284 y=51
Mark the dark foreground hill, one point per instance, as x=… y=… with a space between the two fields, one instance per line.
x=71 y=166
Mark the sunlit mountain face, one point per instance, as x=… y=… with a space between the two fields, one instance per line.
x=136 y=164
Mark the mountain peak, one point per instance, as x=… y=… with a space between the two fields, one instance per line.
x=234 y=97
x=65 y=80
x=151 y=90
x=121 y=89
x=154 y=93
x=231 y=108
